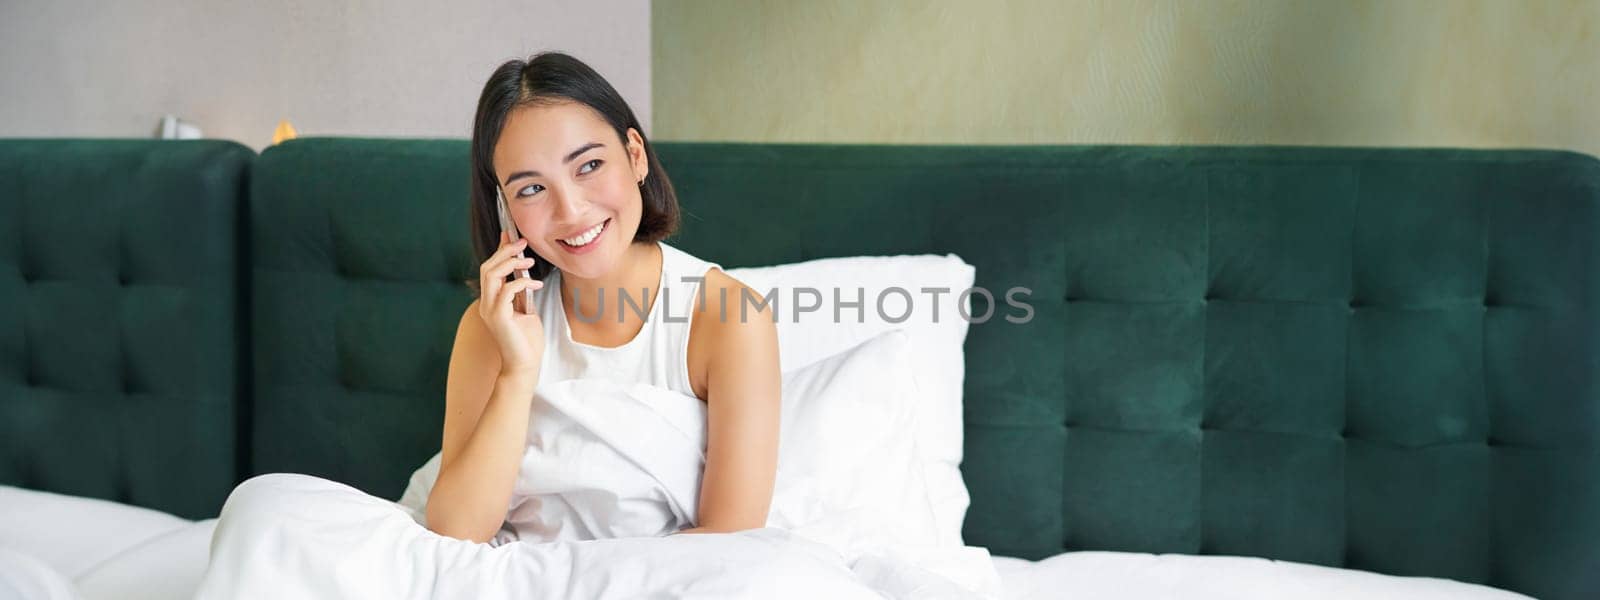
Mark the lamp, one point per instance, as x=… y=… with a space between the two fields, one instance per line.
x=285 y=131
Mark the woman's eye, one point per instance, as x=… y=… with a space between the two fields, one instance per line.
x=535 y=188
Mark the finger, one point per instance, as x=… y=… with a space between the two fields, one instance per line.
x=511 y=290
x=489 y=283
x=502 y=253
x=489 y=288
x=515 y=287
x=510 y=248
x=522 y=302
x=504 y=268
x=505 y=249
x=493 y=272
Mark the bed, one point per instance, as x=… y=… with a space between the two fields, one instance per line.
x=1380 y=361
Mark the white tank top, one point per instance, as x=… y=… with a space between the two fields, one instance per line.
x=658 y=355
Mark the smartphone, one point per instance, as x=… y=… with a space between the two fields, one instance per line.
x=510 y=227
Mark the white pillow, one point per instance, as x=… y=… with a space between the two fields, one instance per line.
x=847 y=459
x=847 y=454
x=937 y=362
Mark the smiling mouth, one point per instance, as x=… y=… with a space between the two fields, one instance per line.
x=587 y=237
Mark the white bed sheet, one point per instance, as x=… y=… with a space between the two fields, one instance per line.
x=106 y=549
x=110 y=550
x=1134 y=576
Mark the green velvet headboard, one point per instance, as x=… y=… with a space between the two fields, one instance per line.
x=359 y=251
x=121 y=284
x=1379 y=359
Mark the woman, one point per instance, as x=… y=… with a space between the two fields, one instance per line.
x=584 y=187
x=586 y=191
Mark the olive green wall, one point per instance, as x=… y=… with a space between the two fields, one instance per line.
x=1422 y=73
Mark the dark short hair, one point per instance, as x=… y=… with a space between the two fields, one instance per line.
x=549 y=78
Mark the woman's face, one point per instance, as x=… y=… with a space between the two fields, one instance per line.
x=572 y=188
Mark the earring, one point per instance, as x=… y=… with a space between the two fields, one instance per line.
x=641 y=183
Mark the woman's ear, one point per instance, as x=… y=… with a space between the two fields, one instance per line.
x=636 y=154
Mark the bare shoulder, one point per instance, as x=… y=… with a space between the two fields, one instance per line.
x=733 y=309
x=470 y=322
x=474 y=340
x=732 y=327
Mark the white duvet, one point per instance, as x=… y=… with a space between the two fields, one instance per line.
x=59 y=547
x=610 y=471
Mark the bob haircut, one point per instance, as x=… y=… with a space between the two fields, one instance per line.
x=553 y=78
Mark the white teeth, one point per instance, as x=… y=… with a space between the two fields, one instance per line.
x=585 y=237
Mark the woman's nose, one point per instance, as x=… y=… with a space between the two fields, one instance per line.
x=569 y=204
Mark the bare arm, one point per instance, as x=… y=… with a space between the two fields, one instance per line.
x=485 y=429
x=743 y=385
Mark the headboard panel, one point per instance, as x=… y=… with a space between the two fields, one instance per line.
x=1380 y=359
x=1377 y=359
x=120 y=333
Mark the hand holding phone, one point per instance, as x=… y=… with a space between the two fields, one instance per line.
x=510 y=229
x=503 y=283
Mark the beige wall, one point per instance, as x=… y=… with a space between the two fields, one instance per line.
x=1421 y=73
x=73 y=68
